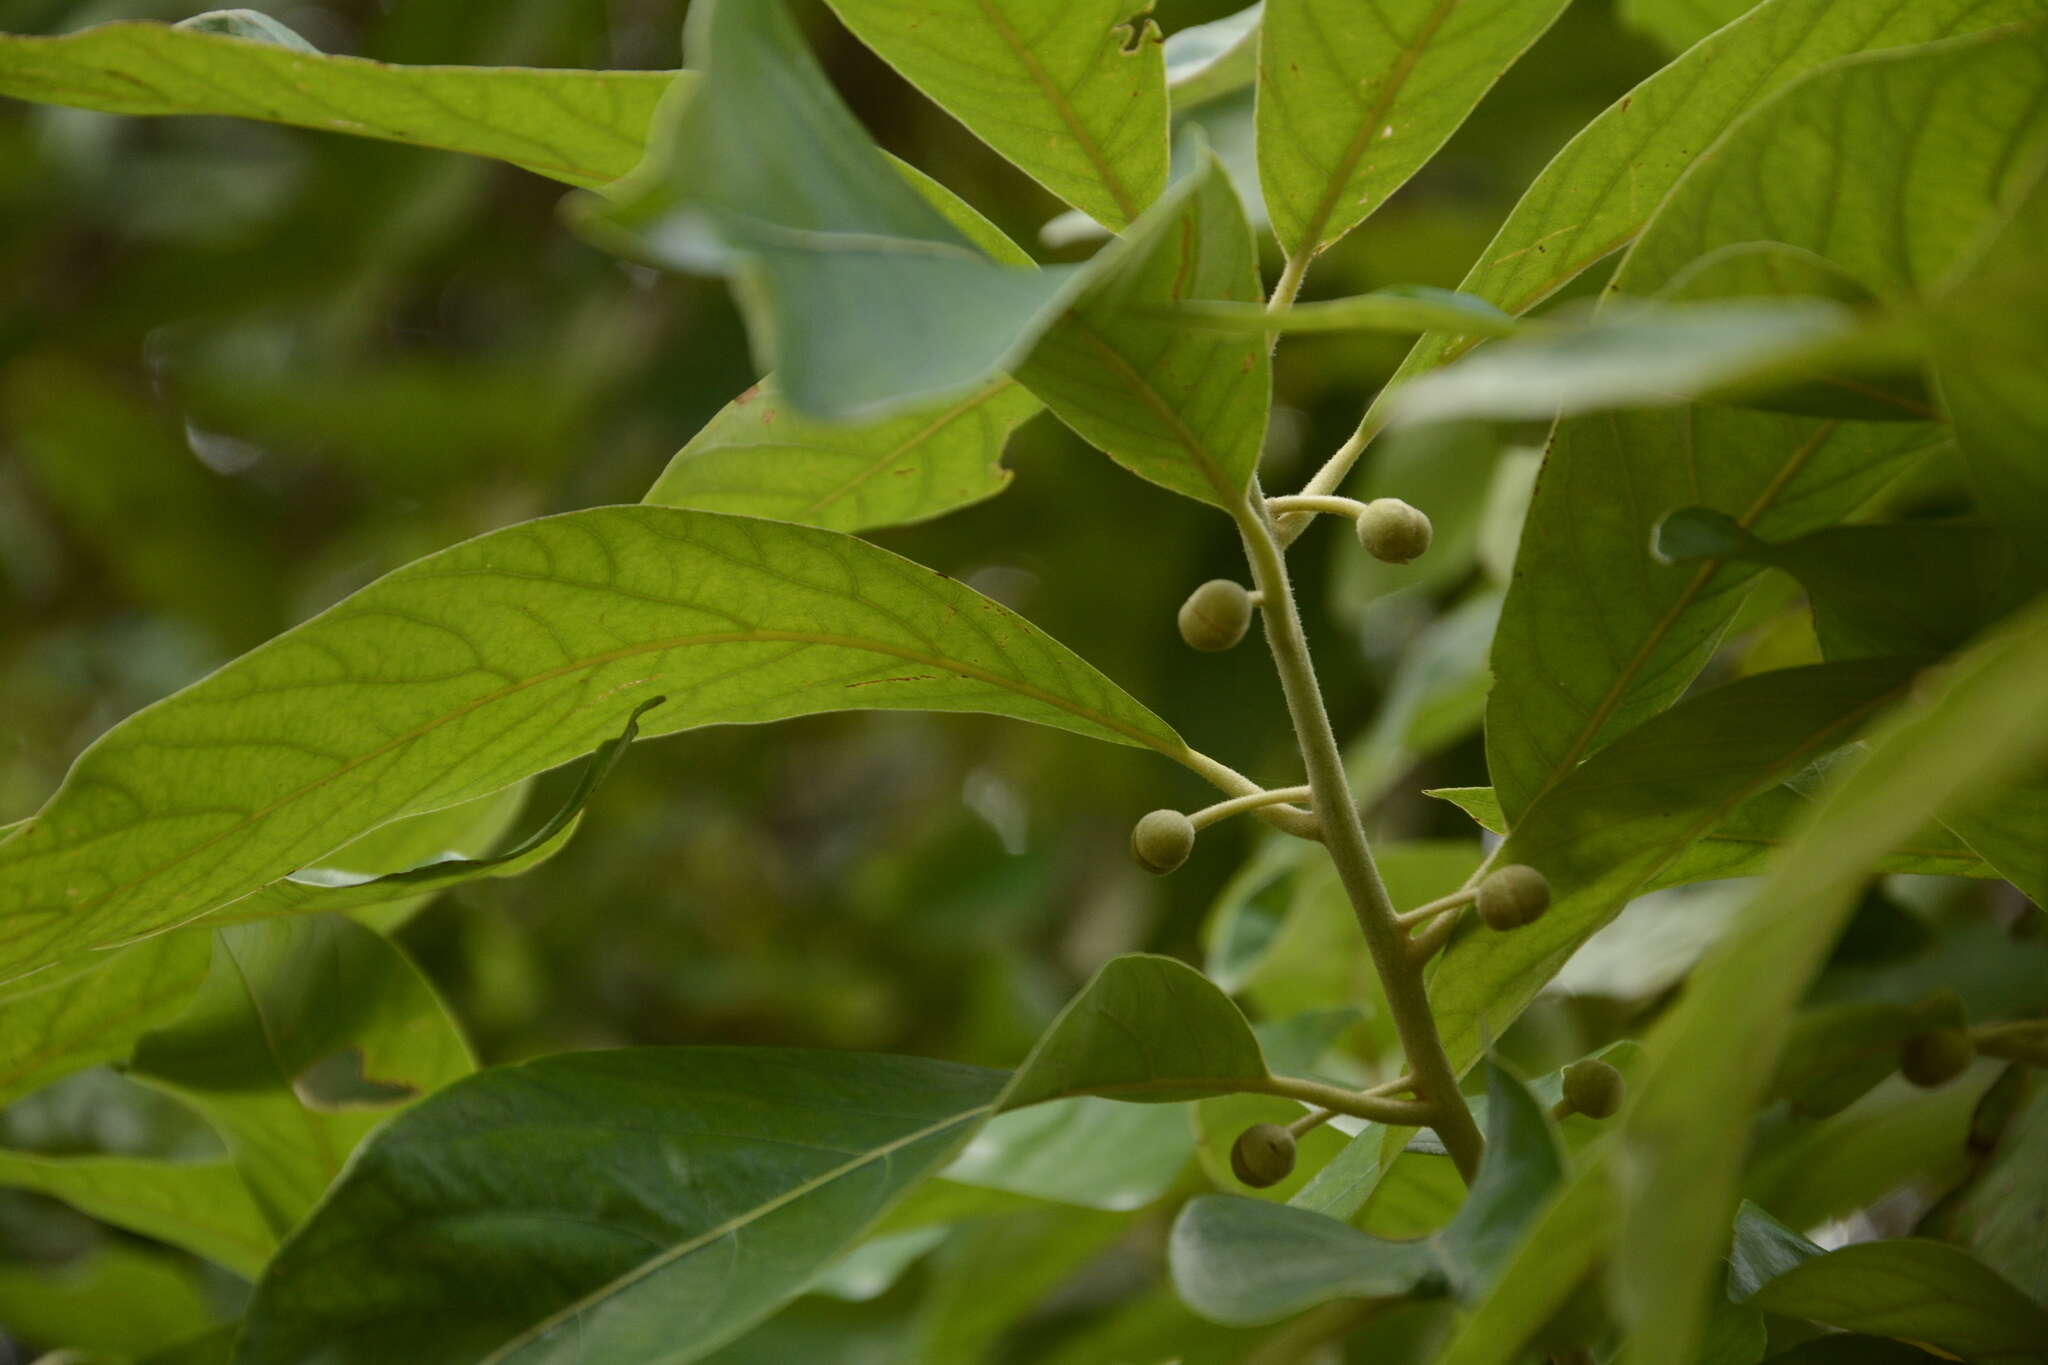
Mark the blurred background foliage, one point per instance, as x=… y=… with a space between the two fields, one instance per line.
x=244 y=370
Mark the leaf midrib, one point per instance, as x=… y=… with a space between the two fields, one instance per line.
x=1126 y=203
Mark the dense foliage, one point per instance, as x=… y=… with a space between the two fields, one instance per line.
x=1639 y=956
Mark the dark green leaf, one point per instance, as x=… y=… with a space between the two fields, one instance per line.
x=1182 y=407
x=1094 y=1153
x=1836 y=1053
x=2001 y=1215
x=495 y=659
x=120 y=1300
x=583 y=127
x=1071 y=91
x=1917 y=1290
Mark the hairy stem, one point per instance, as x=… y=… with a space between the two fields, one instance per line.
x=1303 y=824
x=1344 y=835
x=1289 y=283
x=1331 y=475
x=1338 y=1100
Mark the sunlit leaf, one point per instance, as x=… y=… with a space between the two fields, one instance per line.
x=92 y=1007
x=583 y=127
x=496 y=659
x=1182 y=407
x=1351 y=104
x=1072 y=91
x=1712 y=1056
x=203 y=1207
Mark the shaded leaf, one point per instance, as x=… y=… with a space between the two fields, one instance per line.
x=1073 y=92
x=1835 y=1054
x=582 y=127
x=496 y=659
x=1917 y=1290
x=1678 y=24
x=1207 y=60
x=996 y=1270
x=1399 y=308
x=203 y=1207
x=1181 y=407
x=1565 y=1243
x=1094 y=1153
x=1351 y=104
x=1762 y=1250
x=2001 y=1215
x=121 y=1300
x=91 y=1008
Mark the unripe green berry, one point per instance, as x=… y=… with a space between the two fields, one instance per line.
x=1263 y=1155
x=1513 y=896
x=1215 y=616
x=1936 y=1058
x=1593 y=1088
x=1162 y=840
x=1390 y=529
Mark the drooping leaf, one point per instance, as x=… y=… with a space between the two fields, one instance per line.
x=1242 y=1262
x=203 y=1207
x=1711 y=1057
x=338 y=889
x=765 y=176
x=1149 y=1029
x=1182 y=407
x=760 y=458
x=1399 y=308
x=1606 y=831
x=1917 y=1290
x=1204 y=61
x=1071 y=91
x=1351 y=104
x=91 y=1008
x=307 y=1034
x=642 y=1204
x=582 y=127
x=496 y=659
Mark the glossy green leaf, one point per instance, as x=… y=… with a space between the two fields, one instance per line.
x=1711 y=1057
x=1204 y=61
x=307 y=1034
x=1352 y=104
x=765 y=176
x=91 y=1008
x=1149 y=1029
x=1605 y=833
x=583 y=127
x=496 y=659
x=203 y=1207
x=1916 y=1290
x=1242 y=1262
x=760 y=458
x=643 y=1204
x=1637 y=357
x=336 y=888
x=1071 y=91
x=1401 y=308
x=1182 y=407
x=1597 y=193
x=123 y=1301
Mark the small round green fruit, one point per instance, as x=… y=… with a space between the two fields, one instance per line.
x=1262 y=1155
x=1513 y=896
x=1162 y=840
x=1594 y=1088
x=1937 y=1057
x=1215 y=616
x=1391 y=530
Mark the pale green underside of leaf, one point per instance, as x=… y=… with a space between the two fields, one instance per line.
x=1713 y=1056
x=1354 y=99
x=582 y=127
x=1598 y=192
x=203 y=1207
x=1216 y=58
x=496 y=659
x=1073 y=92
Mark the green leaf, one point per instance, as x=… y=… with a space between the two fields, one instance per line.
x=496 y=659
x=2003 y=825
x=1242 y=1262
x=1400 y=308
x=1073 y=92
x=1763 y=1249
x=338 y=889
x=91 y=1008
x=1597 y=193
x=203 y=1207
x=1712 y=1056
x=760 y=458
x=628 y=1205
x=1181 y=407
x=1919 y=1291
x=1478 y=802
x=1921 y=588
x=307 y=1034
x=1678 y=24
x=1351 y=105
x=1093 y=1153
x=1565 y=1243
x=996 y=1270
x=1836 y=1053
x=764 y=175
x=1639 y=357
x=582 y=127
x=1605 y=833
x=123 y=1301
x=1149 y=1029
x=2001 y=1214
x=1204 y=61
